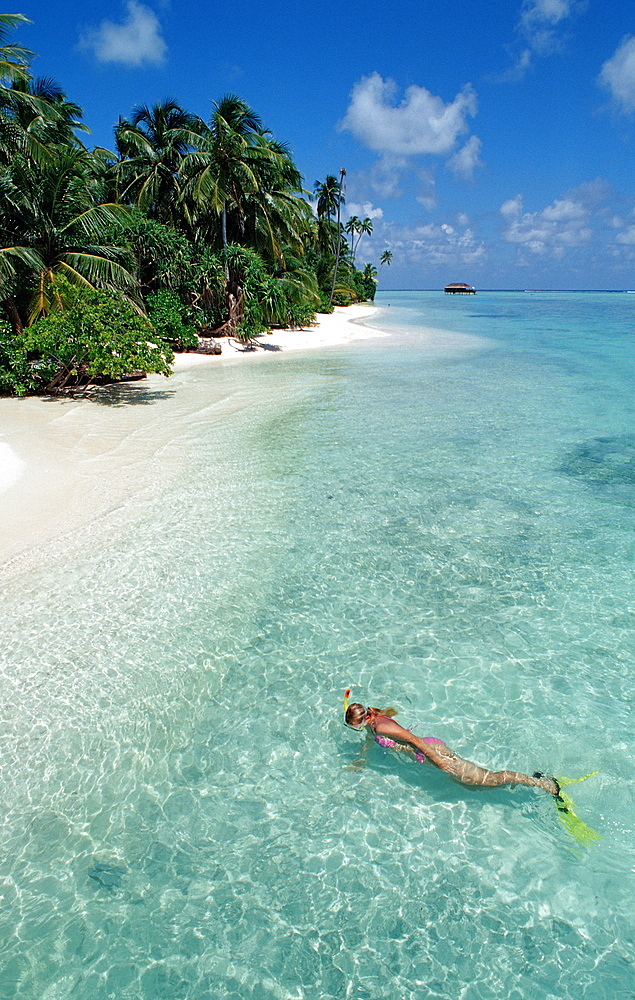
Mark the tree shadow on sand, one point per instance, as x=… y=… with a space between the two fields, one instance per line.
x=247 y=346
x=127 y=394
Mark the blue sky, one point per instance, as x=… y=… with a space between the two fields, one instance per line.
x=490 y=142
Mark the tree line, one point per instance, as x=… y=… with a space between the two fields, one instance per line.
x=111 y=259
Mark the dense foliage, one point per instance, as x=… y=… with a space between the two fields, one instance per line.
x=96 y=335
x=187 y=227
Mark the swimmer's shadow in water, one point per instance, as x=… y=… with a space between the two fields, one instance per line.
x=438 y=787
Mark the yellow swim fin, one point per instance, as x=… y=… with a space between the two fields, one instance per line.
x=567 y=816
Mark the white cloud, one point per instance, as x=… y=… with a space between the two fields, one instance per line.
x=381 y=181
x=433 y=245
x=618 y=74
x=385 y=176
x=563 y=210
x=135 y=42
x=513 y=207
x=464 y=163
x=562 y=224
x=420 y=124
x=627 y=237
x=364 y=210
x=427 y=192
x=541 y=27
x=540 y=19
x=538 y=11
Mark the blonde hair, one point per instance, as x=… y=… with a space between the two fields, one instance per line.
x=355 y=714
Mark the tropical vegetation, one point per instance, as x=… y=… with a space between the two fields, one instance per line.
x=110 y=259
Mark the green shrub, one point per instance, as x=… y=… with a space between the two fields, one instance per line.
x=168 y=316
x=324 y=306
x=16 y=373
x=98 y=336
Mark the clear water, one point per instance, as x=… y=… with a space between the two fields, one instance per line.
x=445 y=524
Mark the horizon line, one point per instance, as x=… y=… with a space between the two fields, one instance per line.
x=619 y=291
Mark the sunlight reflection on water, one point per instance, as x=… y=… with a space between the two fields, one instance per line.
x=179 y=817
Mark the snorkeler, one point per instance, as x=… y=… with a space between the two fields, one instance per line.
x=389 y=733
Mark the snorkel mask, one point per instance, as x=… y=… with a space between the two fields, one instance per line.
x=362 y=723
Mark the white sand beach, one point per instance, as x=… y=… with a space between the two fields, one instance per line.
x=330 y=330
x=65 y=462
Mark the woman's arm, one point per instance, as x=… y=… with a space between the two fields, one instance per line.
x=388 y=727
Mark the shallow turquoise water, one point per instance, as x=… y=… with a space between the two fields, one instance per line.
x=446 y=525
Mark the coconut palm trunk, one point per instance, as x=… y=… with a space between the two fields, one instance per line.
x=338 y=249
x=13 y=316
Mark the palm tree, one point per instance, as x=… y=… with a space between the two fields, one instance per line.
x=14 y=59
x=340 y=201
x=386 y=257
x=351 y=228
x=152 y=146
x=222 y=170
x=327 y=196
x=370 y=271
x=51 y=223
x=275 y=214
x=35 y=115
x=364 y=227
x=278 y=218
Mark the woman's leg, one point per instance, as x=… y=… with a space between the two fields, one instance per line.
x=469 y=773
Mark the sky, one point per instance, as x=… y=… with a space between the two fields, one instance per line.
x=490 y=142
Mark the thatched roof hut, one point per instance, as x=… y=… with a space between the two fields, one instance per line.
x=459 y=288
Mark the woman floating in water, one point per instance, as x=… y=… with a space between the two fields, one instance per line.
x=389 y=733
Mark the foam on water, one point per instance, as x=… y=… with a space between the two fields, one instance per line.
x=447 y=526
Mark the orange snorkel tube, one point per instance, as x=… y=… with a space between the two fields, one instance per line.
x=346 y=697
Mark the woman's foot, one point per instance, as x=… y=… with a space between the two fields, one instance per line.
x=549 y=784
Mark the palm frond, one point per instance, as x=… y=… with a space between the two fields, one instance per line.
x=94 y=220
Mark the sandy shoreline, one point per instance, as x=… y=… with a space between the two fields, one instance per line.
x=331 y=330
x=65 y=462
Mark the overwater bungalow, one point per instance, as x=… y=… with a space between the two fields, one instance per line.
x=459 y=288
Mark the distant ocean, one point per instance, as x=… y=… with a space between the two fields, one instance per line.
x=443 y=521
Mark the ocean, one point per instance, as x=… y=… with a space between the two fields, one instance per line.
x=442 y=520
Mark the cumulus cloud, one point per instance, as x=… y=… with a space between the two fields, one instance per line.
x=564 y=210
x=618 y=75
x=550 y=231
x=135 y=42
x=513 y=207
x=420 y=124
x=627 y=236
x=464 y=163
x=433 y=245
x=364 y=210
